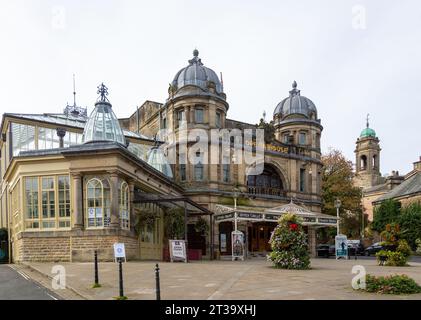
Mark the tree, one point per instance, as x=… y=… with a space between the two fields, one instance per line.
x=337 y=182
x=386 y=213
x=410 y=221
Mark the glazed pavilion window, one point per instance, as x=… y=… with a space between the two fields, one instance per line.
x=64 y=201
x=31 y=203
x=48 y=202
x=23 y=138
x=98 y=203
x=124 y=206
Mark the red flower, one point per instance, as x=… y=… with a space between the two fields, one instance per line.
x=293 y=226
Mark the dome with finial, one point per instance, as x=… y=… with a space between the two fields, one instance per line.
x=368 y=132
x=102 y=124
x=198 y=76
x=295 y=104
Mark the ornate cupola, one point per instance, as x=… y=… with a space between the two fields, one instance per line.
x=196 y=79
x=102 y=124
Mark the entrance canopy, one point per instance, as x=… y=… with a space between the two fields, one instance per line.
x=227 y=213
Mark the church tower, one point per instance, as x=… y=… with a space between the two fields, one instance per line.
x=367 y=156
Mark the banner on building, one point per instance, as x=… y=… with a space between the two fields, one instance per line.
x=341 y=246
x=237 y=242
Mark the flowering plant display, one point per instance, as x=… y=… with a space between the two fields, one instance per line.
x=289 y=244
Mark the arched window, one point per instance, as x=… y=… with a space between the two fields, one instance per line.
x=124 y=206
x=98 y=203
x=374 y=163
x=363 y=164
x=268 y=183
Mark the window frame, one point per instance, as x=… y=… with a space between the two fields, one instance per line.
x=104 y=208
x=124 y=205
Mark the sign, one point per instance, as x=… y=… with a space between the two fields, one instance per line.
x=341 y=246
x=223 y=242
x=250 y=215
x=224 y=216
x=237 y=242
x=178 y=250
x=119 y=251
x=327 y=220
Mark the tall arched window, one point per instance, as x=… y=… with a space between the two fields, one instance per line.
x=267 y=183
x=98 y=203
x=124 y=206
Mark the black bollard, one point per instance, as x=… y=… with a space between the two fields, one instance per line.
x=96 y=269
x=120 y=272
x=158 y=287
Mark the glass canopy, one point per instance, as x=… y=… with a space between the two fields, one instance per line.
x=158 y=160
x=103 y=125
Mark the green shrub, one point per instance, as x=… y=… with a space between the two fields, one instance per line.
x=418 y=242
x=394 y=284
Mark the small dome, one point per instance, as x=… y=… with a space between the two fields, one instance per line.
x=158 y=160
x=296 y=104
x=102 y=124
x=196 y=74
x=368 y=132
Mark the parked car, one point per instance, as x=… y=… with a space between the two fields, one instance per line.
x=376 y=247
x=323 y=250
x=355 y=247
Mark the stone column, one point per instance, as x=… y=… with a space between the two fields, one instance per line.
x=312 y=241
x=115 y=206
x=77 y=199
x=131 y=208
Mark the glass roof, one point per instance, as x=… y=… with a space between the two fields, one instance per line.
x=158 y=160
x=103 y=125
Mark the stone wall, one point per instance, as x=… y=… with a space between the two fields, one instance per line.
x=49 y=247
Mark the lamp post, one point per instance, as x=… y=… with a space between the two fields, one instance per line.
x=235 y=195
x=338 y=204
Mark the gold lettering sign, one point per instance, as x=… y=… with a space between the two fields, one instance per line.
x=269 y=147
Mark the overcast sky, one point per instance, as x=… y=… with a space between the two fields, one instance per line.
x=350 y=57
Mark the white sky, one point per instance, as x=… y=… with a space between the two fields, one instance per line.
x=136 y=47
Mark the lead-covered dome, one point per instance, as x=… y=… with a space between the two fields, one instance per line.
x=102 y=124
x=295 y=104
x=199 y=76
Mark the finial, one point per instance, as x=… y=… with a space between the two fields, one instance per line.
x=103 y=92
x=74 y=91
x=294 y=85
x=195 y=52
x=368 y=117
x=294 y=90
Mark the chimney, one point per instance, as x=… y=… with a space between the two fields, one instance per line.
x=61 y=132
x=417 y=165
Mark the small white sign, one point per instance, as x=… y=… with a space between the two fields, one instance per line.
x=119 y=251
x=178 y=250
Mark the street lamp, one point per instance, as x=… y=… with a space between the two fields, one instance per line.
x=235 y=195
x=338 y=204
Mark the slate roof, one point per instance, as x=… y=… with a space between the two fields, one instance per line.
x=410 y=186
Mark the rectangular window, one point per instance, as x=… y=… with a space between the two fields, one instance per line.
x=302 y=180
x=285 y=138
x=64 y=201
x=182 y=167
x=198 y=115
x=48 y=139
x=48 y=202
x=218 y=120
x=302 y=138
x=226 y=169
x=198 y=168
x=181 y=118
x=31 y=203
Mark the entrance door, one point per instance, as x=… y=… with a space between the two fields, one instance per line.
x=261 y=236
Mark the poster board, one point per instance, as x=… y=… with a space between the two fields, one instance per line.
x=341 y=246
x=178 y=250
x=119 y=252
x=237 y=242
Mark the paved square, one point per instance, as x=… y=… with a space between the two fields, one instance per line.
x=252 y=279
